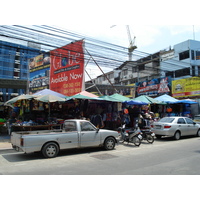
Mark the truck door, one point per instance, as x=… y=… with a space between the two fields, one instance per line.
x=89 y=135
x=69 y=137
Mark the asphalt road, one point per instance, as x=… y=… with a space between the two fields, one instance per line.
x=163 y=157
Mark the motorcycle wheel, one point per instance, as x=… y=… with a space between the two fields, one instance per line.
x=136 y=141
x=150 y=139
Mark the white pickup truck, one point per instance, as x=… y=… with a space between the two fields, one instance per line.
x=74 y=134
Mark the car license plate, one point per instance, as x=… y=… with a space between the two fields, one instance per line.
x=140 y=137
x=158 y=126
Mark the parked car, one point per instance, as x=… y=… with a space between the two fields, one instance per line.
x=197 y=119
x=75 y=133
x=176 y=127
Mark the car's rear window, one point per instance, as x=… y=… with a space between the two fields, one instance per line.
x=167 y=120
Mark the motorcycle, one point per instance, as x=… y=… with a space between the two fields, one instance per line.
x=130 y=135
x=147 y=133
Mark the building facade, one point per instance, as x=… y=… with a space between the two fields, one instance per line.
x=14 y=71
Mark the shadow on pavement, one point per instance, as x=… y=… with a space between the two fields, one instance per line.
x=13 y=156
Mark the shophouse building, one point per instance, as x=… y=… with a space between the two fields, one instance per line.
x=14 y=68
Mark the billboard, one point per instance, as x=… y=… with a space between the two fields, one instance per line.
x=67 y=69
x=186 y=87
x=39 y=72
x=154 y=87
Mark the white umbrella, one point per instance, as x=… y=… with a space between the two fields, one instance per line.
x=18 y=98
x=49 y=99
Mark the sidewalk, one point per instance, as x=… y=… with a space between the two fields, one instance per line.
x=5 y=142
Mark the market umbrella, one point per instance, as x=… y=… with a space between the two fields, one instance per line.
x=120 y=97
x=148 y=100
x=186 y=101
x=18 y=98
x=108 y=98
x=48 y=91
x=80 y=96
x=166 y=98
x=135 y=102
x=49 y=99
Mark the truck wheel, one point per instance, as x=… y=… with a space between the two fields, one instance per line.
x=50 y=150
x=109 y=143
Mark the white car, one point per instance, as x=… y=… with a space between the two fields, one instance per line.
x=175 y=127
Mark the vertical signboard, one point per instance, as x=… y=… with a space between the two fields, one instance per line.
x=67 y=69
x=39 y=72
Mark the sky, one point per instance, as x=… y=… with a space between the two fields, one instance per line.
x=149 y=38
x=156 y=24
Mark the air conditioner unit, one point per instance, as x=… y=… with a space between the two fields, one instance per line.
x=17 y=53
x=17 y=61
x=16 y=77
x=131 y=76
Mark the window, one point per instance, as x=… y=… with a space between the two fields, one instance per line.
x=193 y=70
x=70 y=126
x=189 y=121
x=86 y=126
x=184 y=55
x=141 y=67
x=197 y=55
x=182 y=72
x=181 y=121
x=192 y=54
x=198 y=70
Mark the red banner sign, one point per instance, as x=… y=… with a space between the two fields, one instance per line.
x=67 y=69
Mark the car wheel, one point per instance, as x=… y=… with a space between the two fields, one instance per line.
x=177 y=135
x=50 y=150
x=198 y=133
x=109 y=143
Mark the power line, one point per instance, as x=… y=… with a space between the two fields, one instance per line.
x=106 y=54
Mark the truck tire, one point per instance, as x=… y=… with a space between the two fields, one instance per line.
x=109 y=143
x=50 y=150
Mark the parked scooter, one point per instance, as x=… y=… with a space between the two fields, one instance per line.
x=147 y=133
x=130 y=135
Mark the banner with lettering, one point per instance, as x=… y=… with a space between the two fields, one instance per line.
x=154 y=87
x=67 y=69
x=39 y=67
x=187 y=87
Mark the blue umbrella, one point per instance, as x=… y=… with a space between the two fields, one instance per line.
x=135 y=102
x=186 y=101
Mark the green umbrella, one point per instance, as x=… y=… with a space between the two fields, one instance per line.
x=108 y=98
x=80 y=96
x=148 y=100
x=120 y=97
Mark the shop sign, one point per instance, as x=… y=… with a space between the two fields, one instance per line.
x=154 y=87
x=39 y=72
x=186 y=87
x=67 y=69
